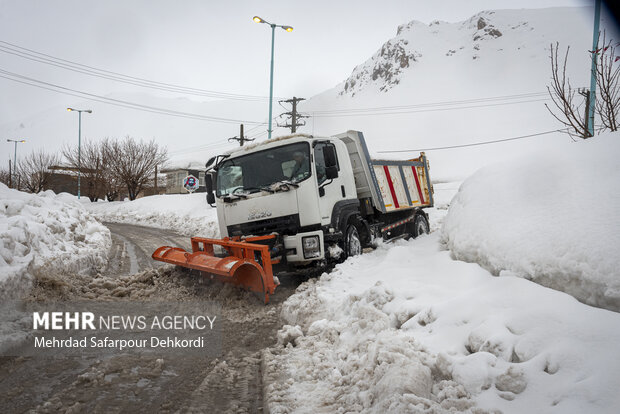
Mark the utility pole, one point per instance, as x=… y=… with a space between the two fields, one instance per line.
x=15 y=141
x=241 y=138
x=79 y=111
x=293 y=114
x=592 y=101
x=586 y=94
x=10 y=175
x=156 y=192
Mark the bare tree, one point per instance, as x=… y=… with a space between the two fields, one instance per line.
x=92 y=160
x=34 y=170
x=133 y=162
x=571 y=114
x=607 y=77
x=5 y=176
x=112 y=182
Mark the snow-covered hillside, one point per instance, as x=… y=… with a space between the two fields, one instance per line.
x=448 y=84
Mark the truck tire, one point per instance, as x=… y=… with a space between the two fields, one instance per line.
x=352 y=242
x=419 y=226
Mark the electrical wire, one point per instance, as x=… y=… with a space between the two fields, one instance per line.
x=476 y=143
x=200 y=147
x=35 y=56
x=116 y=102
x=434 y=104
x=427 y=110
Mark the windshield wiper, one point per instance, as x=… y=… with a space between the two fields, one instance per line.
x=289 y=182
x=272 y=188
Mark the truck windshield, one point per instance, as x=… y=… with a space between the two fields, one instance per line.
x=258 y=171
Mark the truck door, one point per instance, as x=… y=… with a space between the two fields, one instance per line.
x=330 y=191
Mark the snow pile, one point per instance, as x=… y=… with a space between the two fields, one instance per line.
x=187 y=214
x=409 y=329
x=43 y=233
x=550 y=217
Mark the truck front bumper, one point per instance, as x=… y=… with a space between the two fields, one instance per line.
x=304 y=247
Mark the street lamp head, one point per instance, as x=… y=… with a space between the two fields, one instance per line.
x=90 y=111
x=258 y=19
x=23 y=140
x=70 y=109
x=288 y=28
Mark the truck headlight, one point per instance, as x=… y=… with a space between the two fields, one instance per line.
x=311 y=246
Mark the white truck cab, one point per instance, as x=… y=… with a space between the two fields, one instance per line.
x=322 y=196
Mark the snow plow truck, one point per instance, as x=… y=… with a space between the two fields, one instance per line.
x=301 y=201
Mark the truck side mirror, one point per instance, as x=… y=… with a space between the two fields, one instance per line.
x=329 y=155
x=331 y=165
x=210 y=198
x=331 y=172
x=209 y=186
x=209 y=182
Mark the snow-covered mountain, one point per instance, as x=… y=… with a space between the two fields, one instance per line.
x=448 y=84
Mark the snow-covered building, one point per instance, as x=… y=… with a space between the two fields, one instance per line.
x=176 y=173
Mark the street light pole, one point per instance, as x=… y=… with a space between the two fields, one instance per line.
x=595 y=46
x=79 y=111
x=15 y=159
x=273 y=35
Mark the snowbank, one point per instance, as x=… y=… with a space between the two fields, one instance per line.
x=551 y=217
x=44 y=232
x=409 y=329
x=188 y=214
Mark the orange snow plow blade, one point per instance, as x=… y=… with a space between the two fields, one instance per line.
x=247 y=265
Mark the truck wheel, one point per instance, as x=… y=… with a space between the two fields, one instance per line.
x=420 y=226
x=352 y=242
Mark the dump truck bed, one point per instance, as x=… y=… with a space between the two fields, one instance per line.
x=391 y=185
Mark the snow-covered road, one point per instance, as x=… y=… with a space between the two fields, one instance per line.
x=133 y=245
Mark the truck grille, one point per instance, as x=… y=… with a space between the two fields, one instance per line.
x=282 y=225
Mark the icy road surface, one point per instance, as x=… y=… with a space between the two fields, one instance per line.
x=131 y=383
x=132 y=247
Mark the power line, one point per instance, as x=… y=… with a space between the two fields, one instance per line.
x=428 y=110
x=210 y=148
x=434 y=104
x=33 y=55
x=116 y=102
x=200 y=147
x=476 y=143
x=294 y=116
x=242 y=138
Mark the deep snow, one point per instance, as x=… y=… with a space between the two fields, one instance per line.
x=411 y=328
x=551 y=217
x=187 y=214
x=407 y=328
x=46 y=233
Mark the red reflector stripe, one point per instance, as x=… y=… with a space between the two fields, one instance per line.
x=417 y=184
x=389 y=180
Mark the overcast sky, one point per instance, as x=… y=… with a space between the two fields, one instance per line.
x=204 y=44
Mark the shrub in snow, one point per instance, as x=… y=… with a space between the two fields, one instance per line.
x=551 y=217
x=40 y=232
